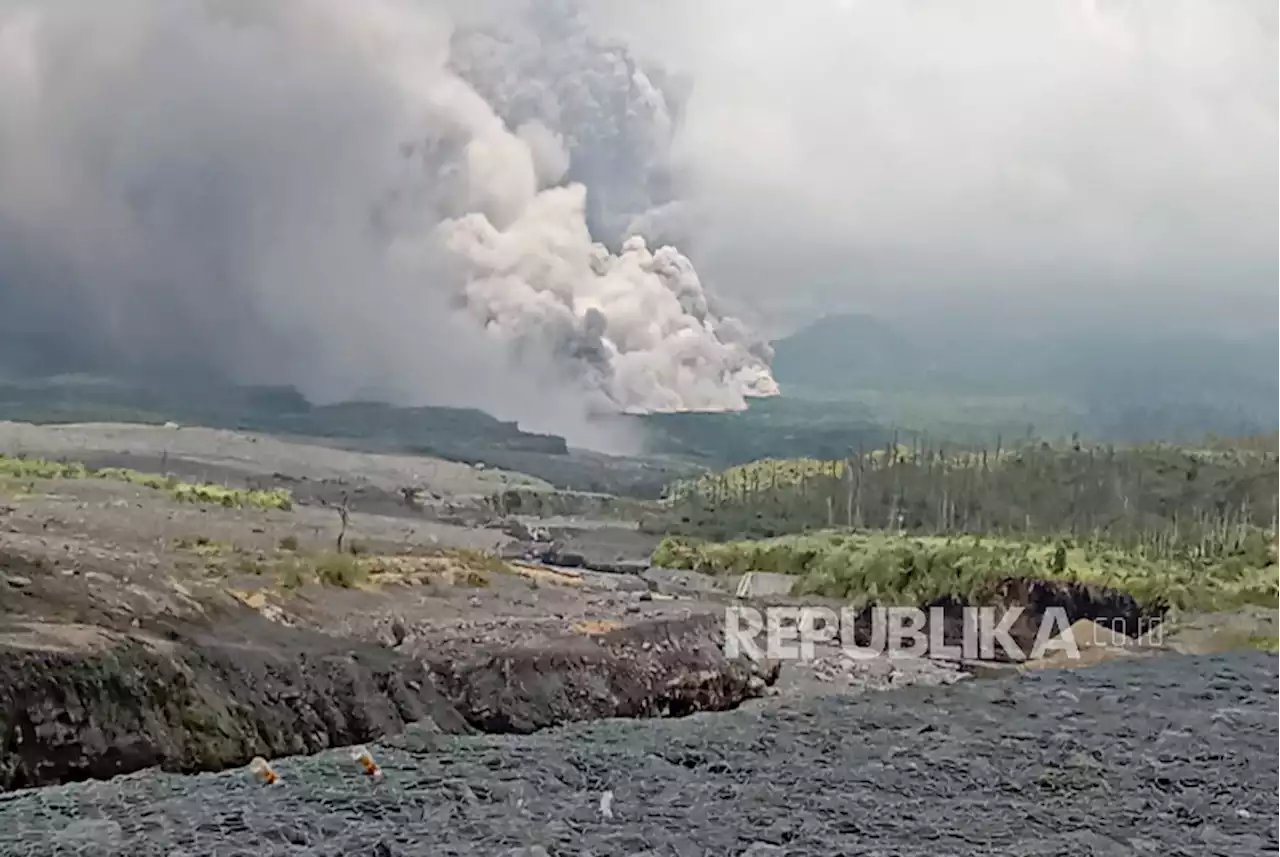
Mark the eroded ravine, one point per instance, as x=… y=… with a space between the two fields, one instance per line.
x=1171 y=755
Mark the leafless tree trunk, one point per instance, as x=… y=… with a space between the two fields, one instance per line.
x=344 y=514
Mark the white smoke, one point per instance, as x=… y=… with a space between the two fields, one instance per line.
x=636 y=324
x=618 y=117
x=1000 y=164
x=306 y=192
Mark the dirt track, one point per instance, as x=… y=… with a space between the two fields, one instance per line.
x=1171 y=757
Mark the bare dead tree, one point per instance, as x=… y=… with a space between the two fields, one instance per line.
x=344 y=514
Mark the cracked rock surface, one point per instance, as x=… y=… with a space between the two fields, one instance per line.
x=1174 y=755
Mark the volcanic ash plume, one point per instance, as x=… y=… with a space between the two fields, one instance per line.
x=307 y=193
x=616 y=114
x=634 y=326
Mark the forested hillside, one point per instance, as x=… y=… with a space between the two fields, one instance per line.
x=1165 y=499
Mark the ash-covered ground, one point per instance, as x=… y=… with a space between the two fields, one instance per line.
x=1169 y=756
x=1158 y=755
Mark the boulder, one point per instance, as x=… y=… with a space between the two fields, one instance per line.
x=653 y=669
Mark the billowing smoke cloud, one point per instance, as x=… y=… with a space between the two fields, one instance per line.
x=309 y=193
x=617 y=116
x=404 y=198
x=1030 y=163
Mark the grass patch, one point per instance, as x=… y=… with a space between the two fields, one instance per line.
x=232 y=498
x=38 y=468
x=203 y=546
x=457 y=567
x=893 y=569
x=478 y=559
x=250 y=565
x=340 y=569
x=1264 y=643
x=14 y=467
x=475 y=579
x=293 y=574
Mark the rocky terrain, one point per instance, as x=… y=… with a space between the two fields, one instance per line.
x=1175 y=756
x=137 y=630
x=140 y=631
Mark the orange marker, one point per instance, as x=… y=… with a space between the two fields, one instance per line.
x=364 y=759
x=264 y=772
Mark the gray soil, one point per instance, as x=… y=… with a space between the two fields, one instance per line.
x=214 y=454
x=137 y=632
x=1174 y=756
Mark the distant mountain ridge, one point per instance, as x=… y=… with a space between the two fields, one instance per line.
x=1130 y=385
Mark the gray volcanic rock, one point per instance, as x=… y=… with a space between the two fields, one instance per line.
x=203 y=700
x=200 y=703
x=1174 y=755
x=662 y=668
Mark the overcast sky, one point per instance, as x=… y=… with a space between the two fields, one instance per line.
x=329 y=193
x=1051 y=160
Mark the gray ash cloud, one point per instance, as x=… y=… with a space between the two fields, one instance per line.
x=315 y=193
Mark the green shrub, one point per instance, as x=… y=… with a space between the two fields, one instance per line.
x=894 y=569
x=479 y=559
x=203 y=492
x=293 y=574
x=340 y=569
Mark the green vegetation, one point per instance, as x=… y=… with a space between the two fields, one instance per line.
x=1192 y=529
x=203 y=546
x=276 y=498
x=292 y=572
x=1263 y=642
x=459 y=566
x=477 y=559
x=1160 y=500
x=768 y=474
x=189 y=492
x=340 y=569
x=893 y=569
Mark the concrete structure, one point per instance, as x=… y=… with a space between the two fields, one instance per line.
x=764 y=584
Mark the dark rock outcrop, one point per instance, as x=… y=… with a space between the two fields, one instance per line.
x=199 y=704
x=655 y=669
x=1108 y=607
x=192 y=700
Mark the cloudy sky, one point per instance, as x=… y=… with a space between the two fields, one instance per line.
x=1030 y=159
x=400 y=197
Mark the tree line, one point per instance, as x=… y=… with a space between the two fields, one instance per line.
x=1212 y=501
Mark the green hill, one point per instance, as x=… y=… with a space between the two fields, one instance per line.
x=1119 y=385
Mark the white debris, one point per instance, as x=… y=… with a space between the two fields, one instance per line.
x=606 y=805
